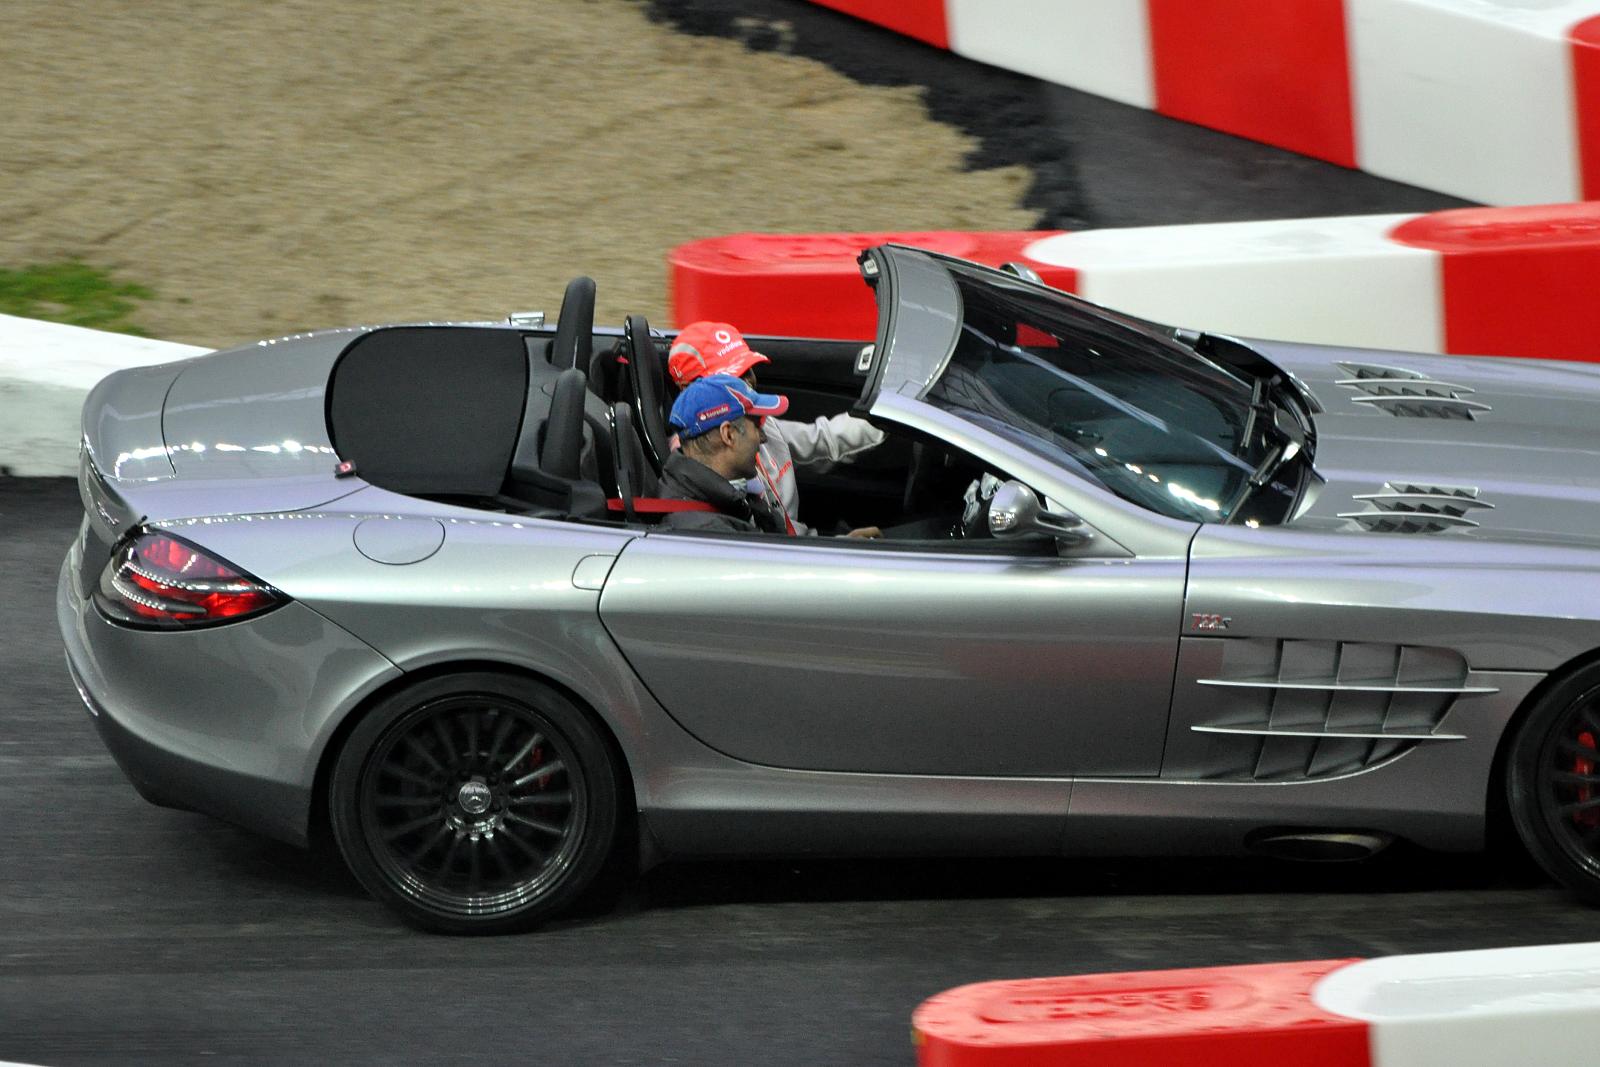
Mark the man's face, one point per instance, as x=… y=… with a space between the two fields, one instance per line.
x=744 y=445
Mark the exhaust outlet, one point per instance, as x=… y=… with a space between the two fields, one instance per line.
x=1318 y=846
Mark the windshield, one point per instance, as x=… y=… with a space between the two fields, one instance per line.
x=1159 y=426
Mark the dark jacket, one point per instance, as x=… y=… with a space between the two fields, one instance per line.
x=737 y=511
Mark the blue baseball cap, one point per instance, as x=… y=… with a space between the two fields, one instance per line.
x=708 y=402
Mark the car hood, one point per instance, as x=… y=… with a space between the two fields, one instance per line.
x=1451 y=446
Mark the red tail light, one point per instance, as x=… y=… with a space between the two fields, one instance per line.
x=156 y=579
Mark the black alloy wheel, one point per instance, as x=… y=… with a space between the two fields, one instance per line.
x=475 y=803
x=1553 y=782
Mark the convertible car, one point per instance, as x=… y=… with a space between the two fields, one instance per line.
x=1142 y=590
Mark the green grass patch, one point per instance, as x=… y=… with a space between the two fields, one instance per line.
x=74 y=293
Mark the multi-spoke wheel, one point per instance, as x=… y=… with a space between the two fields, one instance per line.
x=475 y=803
x=1553 y=782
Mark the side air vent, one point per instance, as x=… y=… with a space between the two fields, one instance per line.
x=1405 y=507
x=1293 y=710
x=1408 y=394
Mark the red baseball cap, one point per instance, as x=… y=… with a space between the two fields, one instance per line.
x=704 y=348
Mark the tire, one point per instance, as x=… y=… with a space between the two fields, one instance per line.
x=440 y=809
x=1553 y=782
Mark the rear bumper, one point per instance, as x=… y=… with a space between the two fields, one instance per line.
x=171 y=780
x=229 y=721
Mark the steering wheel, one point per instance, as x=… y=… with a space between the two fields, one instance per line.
x=973 y=521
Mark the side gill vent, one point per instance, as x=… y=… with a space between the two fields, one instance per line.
x=1406 y=507
x=1408 y=394
x=1295 y=710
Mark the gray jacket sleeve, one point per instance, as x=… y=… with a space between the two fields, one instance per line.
x=830 y=439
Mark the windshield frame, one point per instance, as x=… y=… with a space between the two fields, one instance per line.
x=918 y=328
x=922 y=319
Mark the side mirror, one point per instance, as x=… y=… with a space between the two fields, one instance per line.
x=1015 y=512
x=1023 y=271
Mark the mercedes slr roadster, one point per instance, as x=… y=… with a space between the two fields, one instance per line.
x=1143 y=590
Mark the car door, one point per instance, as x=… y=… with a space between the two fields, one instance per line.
x=828 y=654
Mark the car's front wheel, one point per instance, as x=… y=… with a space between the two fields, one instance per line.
x=1553 y=782
x=475 y=803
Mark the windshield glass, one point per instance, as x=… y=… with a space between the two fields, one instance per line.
x=1156 y=424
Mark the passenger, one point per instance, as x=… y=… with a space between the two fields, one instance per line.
x=718 y=420
x=703 y=348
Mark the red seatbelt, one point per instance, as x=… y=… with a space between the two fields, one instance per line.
x=652 y=505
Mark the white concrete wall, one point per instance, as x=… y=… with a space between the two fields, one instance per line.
x=1332 y=280
x=46 y=369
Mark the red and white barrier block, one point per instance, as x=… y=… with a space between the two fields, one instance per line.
x=1493 y=100
x=1516 y=1007
x=1478 y=281
x=808 y=285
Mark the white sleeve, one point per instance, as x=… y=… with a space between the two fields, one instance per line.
x=830 y=439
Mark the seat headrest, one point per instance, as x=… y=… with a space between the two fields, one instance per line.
x=561 y=449
x=574 y=340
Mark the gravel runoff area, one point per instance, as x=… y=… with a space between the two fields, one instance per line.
x=272 y=167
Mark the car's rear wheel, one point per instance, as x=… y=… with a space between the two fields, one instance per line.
x=475 y=803
x=1553 y=782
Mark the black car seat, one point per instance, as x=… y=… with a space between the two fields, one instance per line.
x=607 y=374
x=648 y=378
x=561 y=446
x=571 y=347
x=553 y=466
x=637 y=481
x=597 y=459
x=598 y=435
x=627 y=469
x=574 y=341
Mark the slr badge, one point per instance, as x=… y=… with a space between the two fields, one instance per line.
x=1210 y=622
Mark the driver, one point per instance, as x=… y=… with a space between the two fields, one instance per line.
x=703 y=348
x=718 y=420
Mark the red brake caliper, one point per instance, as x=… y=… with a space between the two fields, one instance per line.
x=1587 y=818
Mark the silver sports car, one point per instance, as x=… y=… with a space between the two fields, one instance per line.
x=1142 y=590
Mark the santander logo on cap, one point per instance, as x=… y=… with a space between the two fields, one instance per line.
x=711 y=401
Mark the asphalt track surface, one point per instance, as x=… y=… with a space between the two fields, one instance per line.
x=131 y=934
